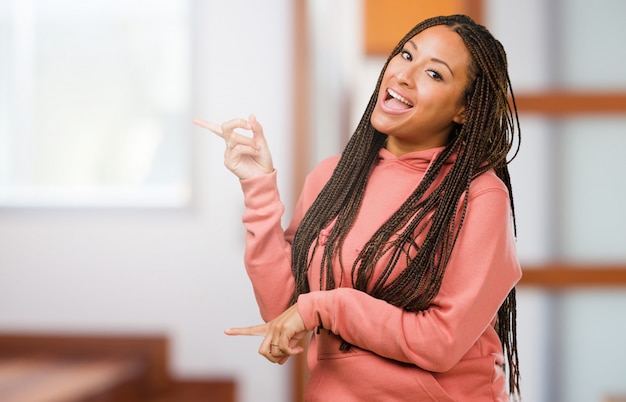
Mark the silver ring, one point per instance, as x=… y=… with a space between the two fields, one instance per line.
x=273 y=344
x=230 y=146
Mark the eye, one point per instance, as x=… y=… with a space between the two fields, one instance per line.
x=406 y=55
x=434 y=75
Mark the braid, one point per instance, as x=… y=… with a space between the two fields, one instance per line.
x=437 y=207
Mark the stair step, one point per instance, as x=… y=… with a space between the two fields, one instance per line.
x=56 y=379
x=198 y=391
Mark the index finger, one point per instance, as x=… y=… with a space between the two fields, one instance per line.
x=256 y=330
x=213 y=127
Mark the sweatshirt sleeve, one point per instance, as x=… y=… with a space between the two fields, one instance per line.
x=267 y=255
x=481 y=272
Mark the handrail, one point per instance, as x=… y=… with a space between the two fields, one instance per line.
x=574 y=275
x=567 y=103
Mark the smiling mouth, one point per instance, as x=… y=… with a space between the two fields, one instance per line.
x=396 y=101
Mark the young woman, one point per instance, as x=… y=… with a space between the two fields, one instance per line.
x=400 y=257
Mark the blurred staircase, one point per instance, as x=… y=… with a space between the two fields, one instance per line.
x=67 y=368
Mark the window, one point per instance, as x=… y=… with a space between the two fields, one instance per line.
x=94 y=103
x=569 y=211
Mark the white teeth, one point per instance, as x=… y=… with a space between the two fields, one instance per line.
x=400 y=98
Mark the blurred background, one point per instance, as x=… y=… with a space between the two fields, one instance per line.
x=117 y=217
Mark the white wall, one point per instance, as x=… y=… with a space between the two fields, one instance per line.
x=177 y=272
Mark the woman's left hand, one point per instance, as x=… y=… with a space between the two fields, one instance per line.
x=282 y=335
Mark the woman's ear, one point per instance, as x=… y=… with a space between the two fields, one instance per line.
x=459 y=118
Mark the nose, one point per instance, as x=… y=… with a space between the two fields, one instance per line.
x=405 y=76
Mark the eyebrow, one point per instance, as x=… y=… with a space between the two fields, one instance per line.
x=434 y=59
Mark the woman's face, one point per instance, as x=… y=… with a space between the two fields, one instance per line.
x=421 y=93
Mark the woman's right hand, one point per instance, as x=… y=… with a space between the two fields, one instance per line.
x=245 y=156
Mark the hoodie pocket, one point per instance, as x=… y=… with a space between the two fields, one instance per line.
x=359 y=375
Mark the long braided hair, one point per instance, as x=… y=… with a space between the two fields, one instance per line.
x=482 y=143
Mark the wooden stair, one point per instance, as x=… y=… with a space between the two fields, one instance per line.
x=69 y=368
x=45 y=378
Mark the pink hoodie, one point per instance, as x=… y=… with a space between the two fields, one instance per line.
x=449 y=352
